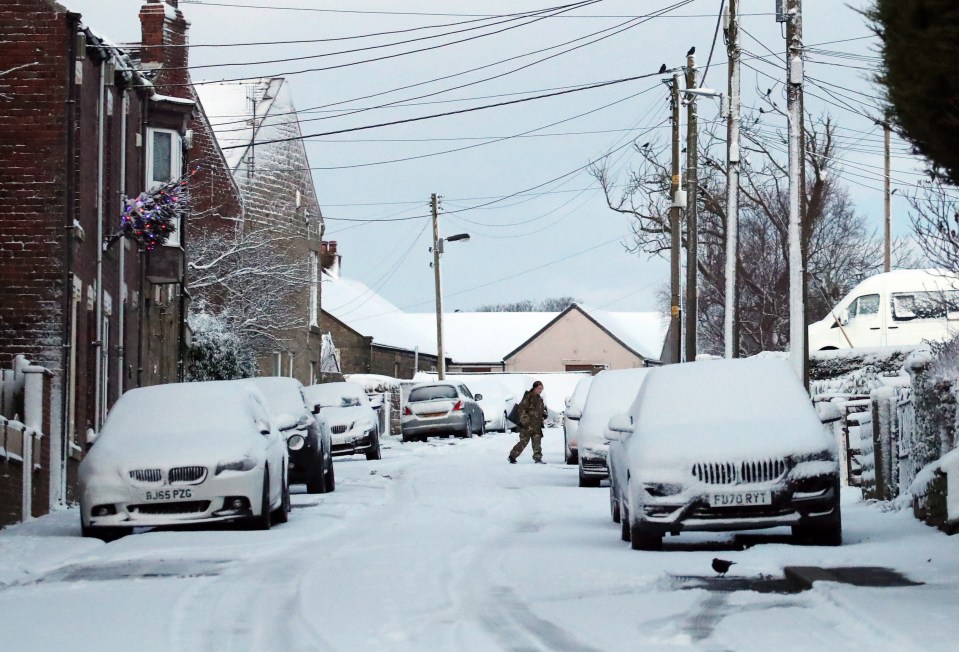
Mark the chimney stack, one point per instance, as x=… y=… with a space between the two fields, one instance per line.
x=163 y=37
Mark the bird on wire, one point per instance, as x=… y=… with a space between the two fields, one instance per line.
x=662 y=69
x=691 y=52
x=722 y=566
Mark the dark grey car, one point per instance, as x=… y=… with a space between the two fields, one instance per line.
x=442 y=408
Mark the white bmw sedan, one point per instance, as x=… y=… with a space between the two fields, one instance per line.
x=723 y=445
x=184 y=453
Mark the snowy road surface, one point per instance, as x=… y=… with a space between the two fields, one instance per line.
x=445 y=546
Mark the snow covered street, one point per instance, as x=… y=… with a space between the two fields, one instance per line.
x=445 y=546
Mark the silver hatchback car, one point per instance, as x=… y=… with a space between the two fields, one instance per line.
x=442 y=408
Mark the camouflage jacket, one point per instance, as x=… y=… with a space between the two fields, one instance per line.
x=532 y=412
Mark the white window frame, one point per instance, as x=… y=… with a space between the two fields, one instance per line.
x=176 y=169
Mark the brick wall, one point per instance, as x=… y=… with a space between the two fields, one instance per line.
x=32 y=183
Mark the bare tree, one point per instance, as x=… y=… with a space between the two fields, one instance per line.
x=841 y=248
x=550 y=304
x=935 y=220
x=248 y=278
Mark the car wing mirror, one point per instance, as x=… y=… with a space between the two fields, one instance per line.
x=620 y=427
x=316 y=409
x=575 y=415
x=477 y=397
x=264 y=427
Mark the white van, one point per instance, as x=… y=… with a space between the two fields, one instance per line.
x=898 y=308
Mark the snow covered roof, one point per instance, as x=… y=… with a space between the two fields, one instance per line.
x=469 y=336
x=229 y=108
x=482 y=336
x=474 y=337
x=643 y=333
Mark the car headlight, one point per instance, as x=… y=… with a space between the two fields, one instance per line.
x=295 y=442
x=246 y=464
x=662 y=489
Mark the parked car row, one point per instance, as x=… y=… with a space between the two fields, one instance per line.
x=219 y=451
x=708 y=446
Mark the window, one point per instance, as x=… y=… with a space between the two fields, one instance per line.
x=314 y=288
x=164 y=164
x=907 y=306
x=431 y=393
x=864 y=306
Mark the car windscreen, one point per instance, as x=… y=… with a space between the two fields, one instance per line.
x=281 y=397
x=431 y=393
x=336 y=395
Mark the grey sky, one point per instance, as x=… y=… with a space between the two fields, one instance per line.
x=525 y=232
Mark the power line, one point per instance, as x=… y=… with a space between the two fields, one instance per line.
x=535 y=15
x=621 y=27
x=494 y=140
x=525 y=66
x=201 y=3
x=448 y=113
x=330 y=39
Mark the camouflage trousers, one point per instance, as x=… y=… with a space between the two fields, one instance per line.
x=524 y=438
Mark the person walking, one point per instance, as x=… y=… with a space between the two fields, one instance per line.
x=532 y=415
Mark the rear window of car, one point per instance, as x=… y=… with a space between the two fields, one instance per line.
x=431 y=393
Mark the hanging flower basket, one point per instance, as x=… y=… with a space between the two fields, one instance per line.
x=151 y=217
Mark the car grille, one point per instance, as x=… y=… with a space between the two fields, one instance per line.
x=338 y=430
x=750 y=472
x=187 y=475
x=147 y=475
x=186 y=507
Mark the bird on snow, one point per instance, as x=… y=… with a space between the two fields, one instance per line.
x=691 y=52
x=722 y=566
x=662 y=69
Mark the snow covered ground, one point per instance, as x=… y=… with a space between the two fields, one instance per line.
x=445 y=546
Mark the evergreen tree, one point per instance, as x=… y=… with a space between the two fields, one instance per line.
x=919 y=41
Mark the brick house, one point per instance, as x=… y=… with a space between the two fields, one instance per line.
x=81 y=126
x=257 y=129
x=385 y=346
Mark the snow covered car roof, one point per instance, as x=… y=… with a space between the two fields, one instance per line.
x=178 y=417
x=611 y=392
x=722 y=408
x=283 y=395
x=332 y=394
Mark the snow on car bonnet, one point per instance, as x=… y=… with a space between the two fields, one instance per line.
x=727 y=407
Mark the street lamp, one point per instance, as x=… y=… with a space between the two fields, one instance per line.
x=437 y=276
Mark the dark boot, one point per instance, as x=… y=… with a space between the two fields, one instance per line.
x=512 y=460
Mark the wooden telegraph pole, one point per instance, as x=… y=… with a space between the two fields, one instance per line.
x=692 y=213
x=676 y=204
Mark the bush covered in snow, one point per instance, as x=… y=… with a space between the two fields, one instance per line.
x=216 y=351
x=854 y=371
x=935 y=382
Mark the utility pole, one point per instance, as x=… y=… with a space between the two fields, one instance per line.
x=692 y=211
x=437 y=243
x=794 y=110
x=887 y=201
x=676 y=204
x=731 y=319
